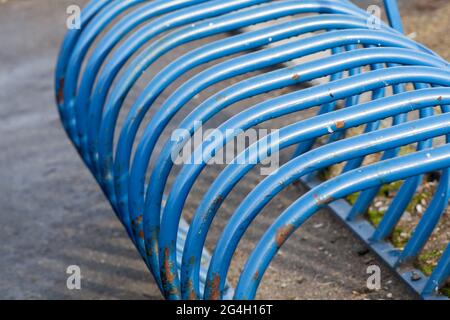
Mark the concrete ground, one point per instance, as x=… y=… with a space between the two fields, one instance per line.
x=53 y=214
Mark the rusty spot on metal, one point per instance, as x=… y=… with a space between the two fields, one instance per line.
x=167 y=267
x=190 y=288
x=323 y=201
x=60 y=94
x=214 y=286
x=439 y=98
x=217 y=201
x=340 y=124
x=152 y=243
x=283 y=233
x=141 y=234
x=296 y=77
x=168 y=277
x=137 y=221
x=256 y=275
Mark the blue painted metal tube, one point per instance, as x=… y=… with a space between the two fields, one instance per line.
x=139 y=38
x=431 y=216
x=232 y=174
x=154 y=191
x=238 y=66
x=89 y=99
x=108 y=124
x=292 y=6
x=70 y=41
x=393 y=13
x=395 y=22
x=348 y=102
x=182 y=65
x=151 y=9
x=214 y=105
x=268 y=110
x=164 y=115
x=106 y=44
x=429 y=220
x=439 y=275
x=92 y=30
x=293 y=217
x=212 y=26
x=121 y=55
x=307 y=145
x=221 y=189
x=91 y=11
x=401 y=201
x=367 y=196
x=65 y=51
x=309 y=162
x=232 y=94
x=355 y=163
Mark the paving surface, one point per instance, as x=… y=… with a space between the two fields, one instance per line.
x=52 y=213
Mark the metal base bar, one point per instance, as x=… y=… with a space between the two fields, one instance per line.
x=412 y=277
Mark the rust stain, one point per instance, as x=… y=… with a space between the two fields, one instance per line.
x=256 y=275
x=214 y=287
x=296 y=77
x=324 y=201
x=340 y=124
x=60 y=94
x=440 y=98
x=192 y=295
x=190 y=288
x=283 y=233
x=152 y=244
x=167 y=267
x=217 y=201
x=141 y=234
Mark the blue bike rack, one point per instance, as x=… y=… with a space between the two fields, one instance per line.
x=119 y=40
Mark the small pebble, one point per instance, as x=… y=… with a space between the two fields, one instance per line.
x=407 y=216
x=415 y=276
x=300 y=280
x=419 y=208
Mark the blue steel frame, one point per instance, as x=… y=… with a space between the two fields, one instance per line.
x=93 y=79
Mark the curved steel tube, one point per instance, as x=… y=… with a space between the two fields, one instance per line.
x=293 y=217
x=97 y=69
